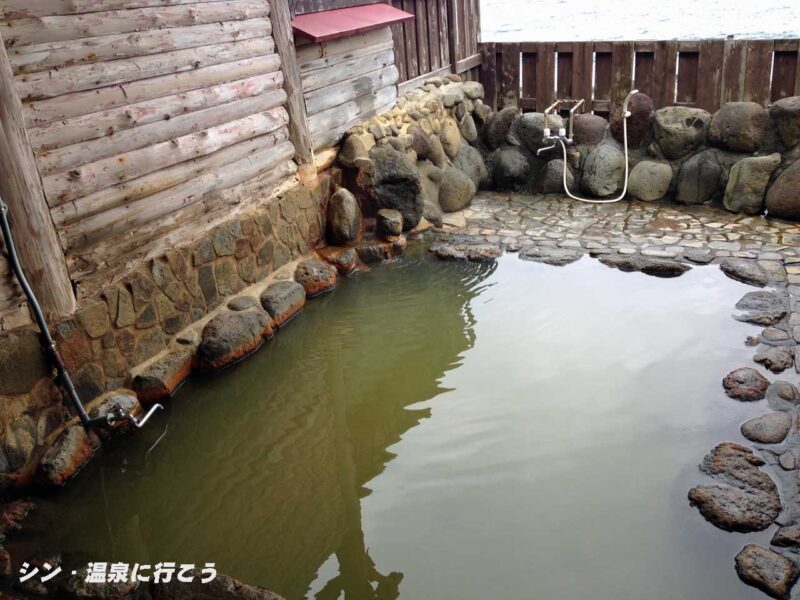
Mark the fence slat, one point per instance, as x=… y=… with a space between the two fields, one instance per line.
x=733 y=70
x=622 y=71
x=665 y=58
x=602 y=80
x=709 y=78
x=645 y=76
x=564 y=60
x=582 y=60
x=509 y=86
x=687 y=78
x=528 y=100
x=545 y=75
x=784 y=74
x=757 y=71
x=489 y=73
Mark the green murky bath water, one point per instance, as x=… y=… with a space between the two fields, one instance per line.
x=440 y=430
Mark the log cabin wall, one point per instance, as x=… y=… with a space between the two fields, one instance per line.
x=346 y=81
x=144 y=116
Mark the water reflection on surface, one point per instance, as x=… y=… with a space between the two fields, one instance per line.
x=444 y=431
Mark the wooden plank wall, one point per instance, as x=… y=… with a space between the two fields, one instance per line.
x=346 y=81
x=142 y=119
x=702 y=73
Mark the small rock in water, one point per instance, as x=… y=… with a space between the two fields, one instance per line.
x=777 y=359
x=768 y=429
x=159 y=378
x=343 y=259
x=315 y=276
x=761 y=308
x=388 y=223
x=372 y=250
x=283 y=300
x=230 y=336
x=766 y=570
x=656 y=267
x=470 y=252
x=782 y=395
x=701 y=256
x=751 y=340
x=745 y=384
x=557 y=257
x=773 y=334
x=68 y=454
x=746 y=271
x=786 y=537
x=788 y=462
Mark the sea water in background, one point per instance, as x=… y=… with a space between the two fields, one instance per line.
x=577 y=20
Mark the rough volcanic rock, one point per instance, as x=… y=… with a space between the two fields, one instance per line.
x=657 y=267
x=75 y=586
x=771 y=428
x=469 y=161
x=739 y=126
x=777 y=359
x=529 y=129
x=470 y=252
x=604 y=170
x=22 y=361
x=355 y=146
x=589 y=129
x=430 y=177
x=785 y=113
x=497 y=128
x=744 y=270
x=456 y=190
x=551 y=178
x=12 y=514
x=699 y=178
x=787 y=537
x=70 y=452
x=420 y=142
x=557 y=257
x=438 y=156
x=342 y=258
x=679 y=129
x=372 y=250
x=468 y=129
x=510 y=168
x=782 y=395
x=161 y=376
x=221 y=587
x=761 y=308
x=283 y=300
x=747 y=183
x=472 y=90
x=388 y=223
x=396 y=185
x=241 y=303
x=745 y=499
x=766 y=570
x=649 y=180
x=315 y=276
x=641 y=108
x=450 y=137
x=783 y=200
x=344 y=217
x=745 y=384
x=230 y=336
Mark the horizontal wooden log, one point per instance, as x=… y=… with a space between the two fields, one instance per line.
x=74 y=155
x=41 y=57
x=331 y=137
x=468 y=63
x=83 y=103
x=147 y=185
x=328 y=60
x=313 y=52
x=23 y=9
x=125 y=218
x=48 y=84
x=334 y=95
x=419 y=81
x=115 y=120
x=333 y=117
x=40 y=30
x=337 y=72
x=91 y=177
x=108 y=262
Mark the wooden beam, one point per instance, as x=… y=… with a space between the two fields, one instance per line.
x=452 y=32
x=21 y=188
x=299 y=132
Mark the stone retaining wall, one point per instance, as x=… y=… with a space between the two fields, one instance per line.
x=137 y=318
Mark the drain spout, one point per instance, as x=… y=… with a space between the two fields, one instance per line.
x=50 y=345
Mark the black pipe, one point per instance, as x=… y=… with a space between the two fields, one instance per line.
x=47 y=339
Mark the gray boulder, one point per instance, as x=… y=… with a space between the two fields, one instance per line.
x=470 y=161
x=703 y=177
x=679 y=129
x=776 y=358
x=604 y=170
x=746 y=271
x=396 y=185
x=589 y=129
x=230 y=336
x=771 y=428
x=69 y=453
x=344 y=217
x=641 y=107
x=649 y=180
x=472 y=90
x=551 y=178
x=456 y=190
x=388 y=223
x=761 y=308
x=510 y=168
x=431 y=178
x=498 y=126
x=529 y=129
x=468 y=129
x=785 y=113
x=283 y=300
x=450 y=136
x=747 y=183
x=739 y=126
x=766 y=570
x=316 y=277
x=420 y=142
x=783 y=196
x=745 y=384
x=656 y=267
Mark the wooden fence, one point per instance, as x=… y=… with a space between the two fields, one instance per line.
x=702 y=73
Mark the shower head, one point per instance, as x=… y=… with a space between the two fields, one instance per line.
x=625 y=112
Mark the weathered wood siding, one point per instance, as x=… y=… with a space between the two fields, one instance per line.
x=150 y=121
x=346 y=81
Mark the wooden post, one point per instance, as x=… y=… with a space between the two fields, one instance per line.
x=299 y=132
x=21 y=187
x=452 y=33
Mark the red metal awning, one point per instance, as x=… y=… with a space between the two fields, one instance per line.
x=343 y=22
